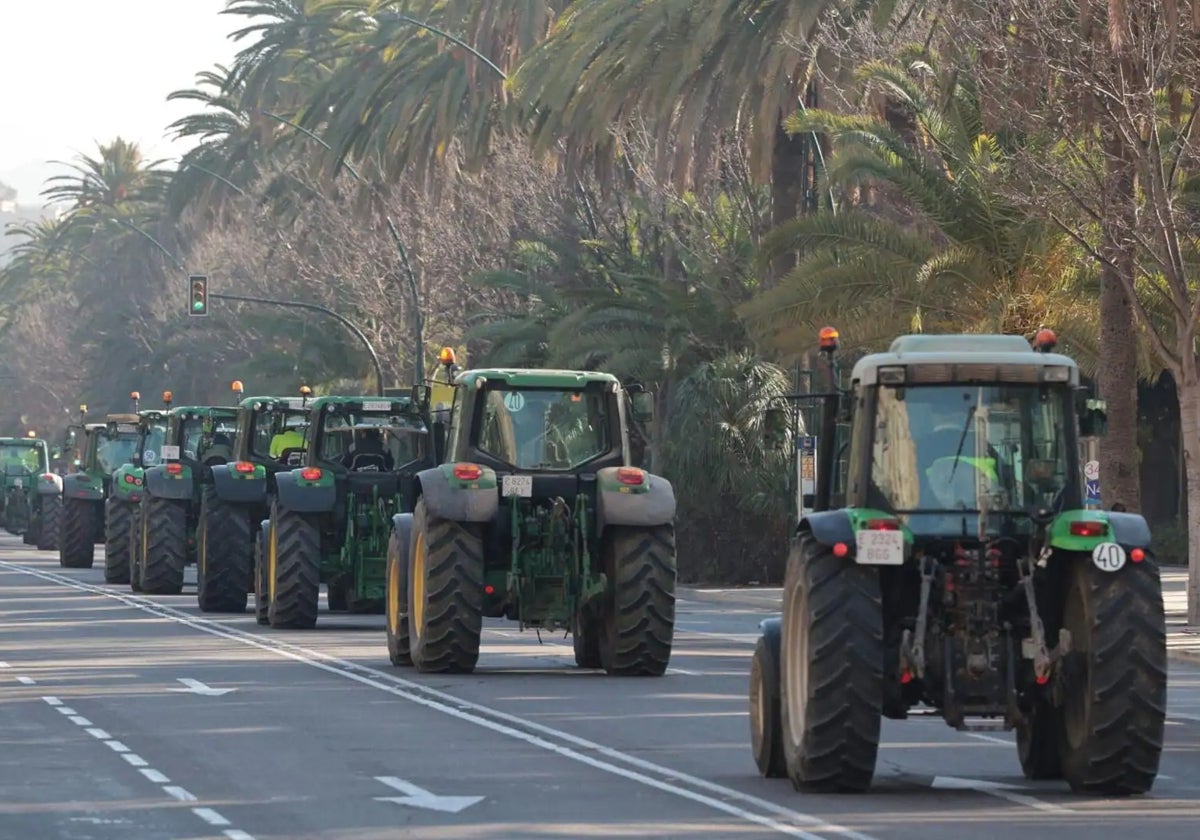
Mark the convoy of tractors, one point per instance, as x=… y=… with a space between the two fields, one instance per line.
x=946 y=562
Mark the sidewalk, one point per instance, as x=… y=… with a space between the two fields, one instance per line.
x=1181 y=644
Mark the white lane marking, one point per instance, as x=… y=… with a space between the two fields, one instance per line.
x=23 y=680
x=4 y=665
x=684 y=672
x=135 y=759
x=990 y=738
x=154 y=776
x=416 y=796
x=210 y=816
x=1182 y=716
x=66 y=710
x=80 y=720
x=116 y=746
x=179 y=793
x=671 y=781
x=96 y=732
x=53 y=701
x=999 y=790
x=235 y=834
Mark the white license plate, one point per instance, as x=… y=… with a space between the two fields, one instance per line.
x=516 y=485
x=18 y=483
x=880 y=548
x=376 y=405
x=169 y=453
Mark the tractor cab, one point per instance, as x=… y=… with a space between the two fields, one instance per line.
x=200 y=436
x=271 y=432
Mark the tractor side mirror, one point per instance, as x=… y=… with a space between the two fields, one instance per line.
x=642 y=404
x=776 y=425
x=420 y=395
x=1093 y=418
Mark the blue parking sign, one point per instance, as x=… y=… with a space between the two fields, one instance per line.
x=1091 y=492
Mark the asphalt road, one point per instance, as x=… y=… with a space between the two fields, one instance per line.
x=125 y=716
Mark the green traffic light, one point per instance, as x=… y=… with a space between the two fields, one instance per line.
x=198 y=306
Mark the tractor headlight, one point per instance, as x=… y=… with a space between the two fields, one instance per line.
x=892 y=375
x=1056 y=373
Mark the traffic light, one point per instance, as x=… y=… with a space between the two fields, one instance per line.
x=199 y=294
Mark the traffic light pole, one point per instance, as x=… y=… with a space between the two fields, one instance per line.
x=313 y=307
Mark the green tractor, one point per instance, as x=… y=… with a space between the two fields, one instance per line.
x=330 y=519
x=164 y=528
x=32 y=495
x=951 y=568
x=105 y=447
x=125 y=490
x=535 y=514
x=270 y=438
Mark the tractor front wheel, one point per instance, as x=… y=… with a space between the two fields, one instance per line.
x=397 y=596
x=164 y=546
x=1114 y=678
x=224 y=555
x=48 y=523
x=294 y=569
x=639 y=620
x=118 y=527
x=77 y=543
x=445 y=593
x=766 y=734
x=831 y=669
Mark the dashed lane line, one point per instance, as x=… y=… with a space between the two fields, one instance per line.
x=213 y=818
x=693 y=788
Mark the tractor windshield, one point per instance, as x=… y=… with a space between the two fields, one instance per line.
x=21 y=460
x=151 y=442
x=279 y=435
x=116 y=450
x=372 y=441
x=941 y=450
x=544 y=429
x=205 y=438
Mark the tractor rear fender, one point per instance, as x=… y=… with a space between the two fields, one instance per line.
x=1128 y=530
x=83 y=486
x=300 y=496
x=162 y=485
x=639 y=505
x=49 y=484
x=232 y=486
x=460 y=500
x=829 y=527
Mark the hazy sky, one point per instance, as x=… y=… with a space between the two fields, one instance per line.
x=79 y=72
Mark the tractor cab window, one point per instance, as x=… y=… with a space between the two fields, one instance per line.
x=543 y=428
x=115 y=450
x=946 y=449
x=280 y=435
x=153 y=438
x=364 y=441
x=207 y=438
x=22 y=460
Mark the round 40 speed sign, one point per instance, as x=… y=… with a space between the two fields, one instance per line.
x=1108 y=557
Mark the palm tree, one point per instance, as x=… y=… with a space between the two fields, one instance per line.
x=964 y=260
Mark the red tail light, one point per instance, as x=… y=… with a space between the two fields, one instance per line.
x=48 y=476
x=311 y=473
x=467 y=472
x=1089 y=529
x=244 y=467
x=883 y=525
x=174 y=469
x=1137 y=555
x=631 y=476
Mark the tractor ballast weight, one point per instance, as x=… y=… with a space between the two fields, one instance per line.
x=330 y=519
x=537 y=516
x=197 y=438
x=238 y=498
x=950 y=562
x=32 y=494
x=105 y=448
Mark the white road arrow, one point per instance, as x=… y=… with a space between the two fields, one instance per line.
x=418 y=797
x=197 y=687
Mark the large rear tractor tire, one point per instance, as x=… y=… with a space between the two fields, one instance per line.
x=135 y=546
x=639 y=620
x=224 y=555
x=398 y=642
x=164 y=546
x=118 y=529
x=1114 y=679
x=262 y=583
x=77 y=537
x=49 y=523
x=766 y=733
x=445 y=593
x=831 y=670
x=294 y=573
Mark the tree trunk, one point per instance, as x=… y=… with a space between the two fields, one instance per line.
x=1118 y=339
x=1189 y=415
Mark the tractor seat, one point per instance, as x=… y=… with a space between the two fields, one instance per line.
x=292 y=456
x=368 y=462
